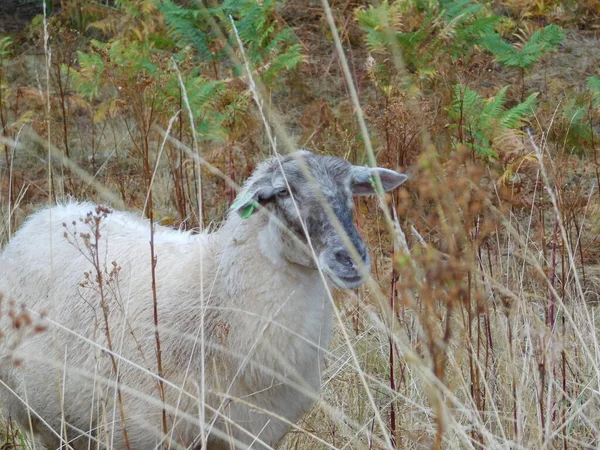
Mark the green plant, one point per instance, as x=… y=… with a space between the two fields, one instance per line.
x=179 y=61
x=466 y=22
x=593 y=85
x=140 y=83
x=270 y=47
x=525 y=55
x=480 y=123
x=426 y=32
x=182 y=58
x=130 y=20
x=575 y=125
x=542 y=42
x=5 y=47
x=87 y=79
x=578 y=130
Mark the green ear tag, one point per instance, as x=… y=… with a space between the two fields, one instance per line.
x=240 y=201
x=248 y=210
x=376 y=183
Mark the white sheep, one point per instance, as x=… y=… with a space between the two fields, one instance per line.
x=243 y=314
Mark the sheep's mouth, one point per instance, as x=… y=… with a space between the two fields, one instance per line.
x=352 y=282
x=345 y=282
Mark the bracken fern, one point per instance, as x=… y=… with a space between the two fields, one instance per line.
x=480 y=122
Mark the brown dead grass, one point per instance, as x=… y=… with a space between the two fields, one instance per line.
x=490 y=332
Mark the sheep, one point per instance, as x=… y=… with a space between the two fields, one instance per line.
x=244 y=316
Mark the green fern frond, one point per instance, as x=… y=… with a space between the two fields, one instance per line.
x=381 y=24
x=540 y=43
x=549 y=37
x=458 y=12
x=496 y=45
x=449 y=27
x=5 y=44
x=495 y=106
x=480 y=27
x=593 y=85
x=574 y=113
x=88 y=79
x=183 y=26
x=288 y=60
x=577 y=125
x=202 y=91
x=514 y=117
x=486 y=151
x=465 y=102
x=482 y=121
x=269 y=46
x=374 y=16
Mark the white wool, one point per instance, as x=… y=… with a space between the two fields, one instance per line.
x=265 y=320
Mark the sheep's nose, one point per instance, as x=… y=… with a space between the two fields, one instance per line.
x=344 y=258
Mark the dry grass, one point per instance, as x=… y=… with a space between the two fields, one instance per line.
x=480 y=329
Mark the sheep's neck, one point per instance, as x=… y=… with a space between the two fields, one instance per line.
x=279 y=312
x=257 y=245
x=253 y=266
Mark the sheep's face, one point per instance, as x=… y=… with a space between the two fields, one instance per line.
x=309 y=198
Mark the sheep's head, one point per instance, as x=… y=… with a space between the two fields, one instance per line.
x=309 y=196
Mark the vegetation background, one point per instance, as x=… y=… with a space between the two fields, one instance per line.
x=484 y=331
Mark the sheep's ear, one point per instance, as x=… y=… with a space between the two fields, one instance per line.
x=246 y=204
x=371 y=180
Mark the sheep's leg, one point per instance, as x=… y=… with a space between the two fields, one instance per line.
x=42 y=435
x=27 y=422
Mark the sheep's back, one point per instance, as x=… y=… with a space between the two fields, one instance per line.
x=49 y=267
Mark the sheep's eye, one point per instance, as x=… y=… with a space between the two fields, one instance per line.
x=283 y=193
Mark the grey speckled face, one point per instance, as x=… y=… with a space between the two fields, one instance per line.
x=314 y=199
